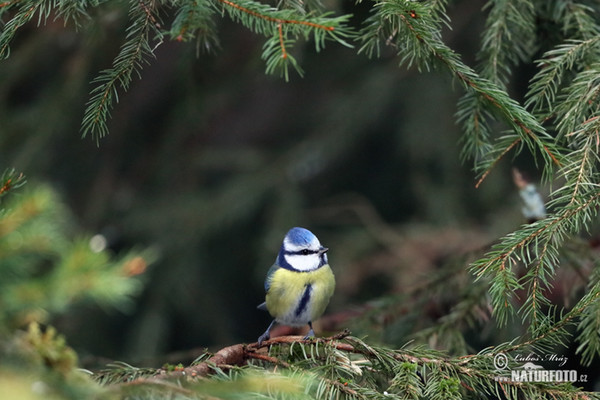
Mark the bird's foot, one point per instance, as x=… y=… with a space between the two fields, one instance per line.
x=263 y=337
x=266 y=335
x=310 y=335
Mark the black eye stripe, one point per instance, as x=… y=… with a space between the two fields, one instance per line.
x=303 y=252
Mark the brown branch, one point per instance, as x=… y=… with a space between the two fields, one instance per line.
x=238 y=354
x=299 y=339
x=228 y=356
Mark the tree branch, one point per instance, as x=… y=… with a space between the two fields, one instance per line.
x=238 y=354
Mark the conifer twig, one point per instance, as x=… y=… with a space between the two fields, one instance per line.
x=10 y=180
x=127 y=62
x=496 y=160
x=275 y=19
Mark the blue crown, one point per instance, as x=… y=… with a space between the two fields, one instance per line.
x=301 y=236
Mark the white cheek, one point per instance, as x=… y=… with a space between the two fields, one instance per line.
x=303 y=262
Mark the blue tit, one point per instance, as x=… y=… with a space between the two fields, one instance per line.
x=299 y=284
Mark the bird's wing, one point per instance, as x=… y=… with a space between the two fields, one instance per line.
x=270 y=273
x=274 y=267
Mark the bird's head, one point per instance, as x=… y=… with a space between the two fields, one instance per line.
x=302 y=251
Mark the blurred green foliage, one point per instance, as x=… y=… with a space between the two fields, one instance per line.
x=37 y=363
x=45 y=268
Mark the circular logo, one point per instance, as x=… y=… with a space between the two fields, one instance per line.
x=500 y=361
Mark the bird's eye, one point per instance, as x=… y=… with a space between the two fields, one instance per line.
x=305 y=252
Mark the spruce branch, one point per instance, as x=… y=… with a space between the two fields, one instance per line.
x=283 y=28
x=577 y=19
x=11 y=180
x=533 y=244
x=44 y=272
x=473 y=115
x=119 y=372
x=195 y=19
x=25 y=13
x=580 y=100
x=302 y=6
x=414 y=30
x=128 y=62
x=75 y=11
x=501 y=152
x=343 y=366
x=262 y=12
x=554 y=329
x=537 y=283
x=471 y=311
x=589 y=326
x=554 y=68
x=580 y=173
x=507 y=38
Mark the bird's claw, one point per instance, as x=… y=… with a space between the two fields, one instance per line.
x=263 y=337
x=310 y=335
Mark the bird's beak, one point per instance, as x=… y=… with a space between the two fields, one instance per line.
x=323 y=250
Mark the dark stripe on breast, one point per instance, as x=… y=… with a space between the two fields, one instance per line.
x=304 y=300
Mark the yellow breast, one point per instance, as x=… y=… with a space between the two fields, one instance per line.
x=287 y=288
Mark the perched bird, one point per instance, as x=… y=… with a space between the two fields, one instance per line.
x=299 y=284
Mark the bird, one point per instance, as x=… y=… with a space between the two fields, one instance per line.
x=299 y=284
